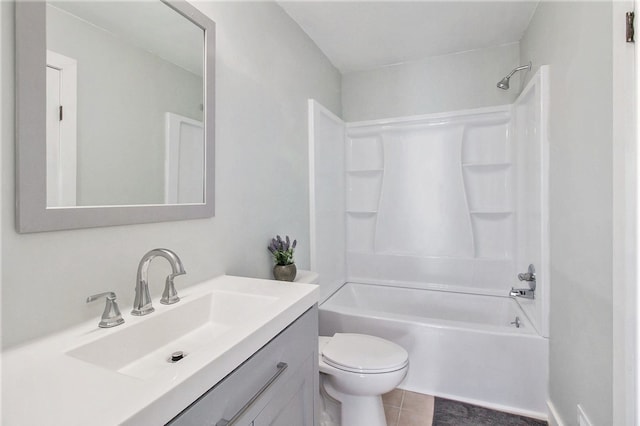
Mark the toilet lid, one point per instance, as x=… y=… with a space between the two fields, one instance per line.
x=364 y=353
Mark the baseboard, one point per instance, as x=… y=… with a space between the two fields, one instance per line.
x=554 y=417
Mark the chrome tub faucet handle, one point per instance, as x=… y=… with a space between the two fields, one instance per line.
x=529 y=276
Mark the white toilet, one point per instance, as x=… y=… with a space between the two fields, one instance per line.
x=357 y=370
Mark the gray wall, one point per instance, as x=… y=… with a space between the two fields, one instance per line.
x=123 y=93
x=438 y=84
x=575 y=38
x=266 y=68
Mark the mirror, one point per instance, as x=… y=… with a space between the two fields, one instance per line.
x=115 y=113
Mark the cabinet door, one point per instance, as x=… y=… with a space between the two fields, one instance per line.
x=294 y=402
x=278 y=380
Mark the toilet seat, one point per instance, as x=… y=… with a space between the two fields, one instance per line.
x=359 y=353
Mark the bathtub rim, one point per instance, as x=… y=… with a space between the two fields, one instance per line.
x=425 y=286
x=529 y=328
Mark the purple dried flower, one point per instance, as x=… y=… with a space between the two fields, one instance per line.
x=282 y=250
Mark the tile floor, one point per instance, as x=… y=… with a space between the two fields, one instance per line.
x=404 y=408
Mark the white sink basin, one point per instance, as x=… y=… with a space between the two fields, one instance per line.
x=143 y=349
x=121 y=375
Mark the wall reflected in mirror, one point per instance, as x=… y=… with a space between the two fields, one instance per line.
x=125 y=95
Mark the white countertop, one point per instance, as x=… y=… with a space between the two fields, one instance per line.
x=43 y=385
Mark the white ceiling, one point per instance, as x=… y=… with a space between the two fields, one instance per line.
x=360 y=35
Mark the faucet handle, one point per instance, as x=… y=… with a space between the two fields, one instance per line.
x=170 y=295
x=111 y=315
x=529 y=276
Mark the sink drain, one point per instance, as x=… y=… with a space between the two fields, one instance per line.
x=176 y=356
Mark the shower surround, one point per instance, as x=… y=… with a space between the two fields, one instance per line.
x=429 y=201
x=455 y=202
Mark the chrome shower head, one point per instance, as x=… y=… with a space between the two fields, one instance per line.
x=504 y=83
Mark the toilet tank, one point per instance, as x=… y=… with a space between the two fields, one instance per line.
x=307 y=277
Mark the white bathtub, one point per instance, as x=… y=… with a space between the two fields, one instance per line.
x=460 y=346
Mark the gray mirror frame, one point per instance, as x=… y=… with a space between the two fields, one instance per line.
x=32 y=214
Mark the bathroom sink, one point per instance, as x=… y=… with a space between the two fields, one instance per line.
x=144 y=345
x=218 y=323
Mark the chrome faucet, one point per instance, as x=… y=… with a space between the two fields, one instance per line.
x=142 y=303
x=530 y=277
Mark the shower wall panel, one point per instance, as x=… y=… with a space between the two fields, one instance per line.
x=326 y=197
x=422 y=205
x=430 y=201
x=530 y=124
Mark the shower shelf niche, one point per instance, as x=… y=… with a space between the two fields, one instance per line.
x=363 y=191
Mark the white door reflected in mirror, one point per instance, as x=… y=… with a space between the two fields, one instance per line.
x=61 y=130
x=184 y=160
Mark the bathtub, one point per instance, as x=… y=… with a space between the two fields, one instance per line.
x=461 y=346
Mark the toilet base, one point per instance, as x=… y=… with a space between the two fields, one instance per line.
x=357 y=410
x=329 y=407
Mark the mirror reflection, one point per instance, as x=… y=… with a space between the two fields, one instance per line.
x=125 y=95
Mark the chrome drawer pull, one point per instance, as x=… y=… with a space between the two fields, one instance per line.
x=281 y=367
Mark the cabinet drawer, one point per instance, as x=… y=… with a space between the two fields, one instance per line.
x=293 y=403
x=293 y=347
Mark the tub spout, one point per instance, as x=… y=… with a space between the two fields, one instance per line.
x=526 y=293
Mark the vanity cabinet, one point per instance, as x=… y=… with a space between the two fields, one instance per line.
x=275 y=386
